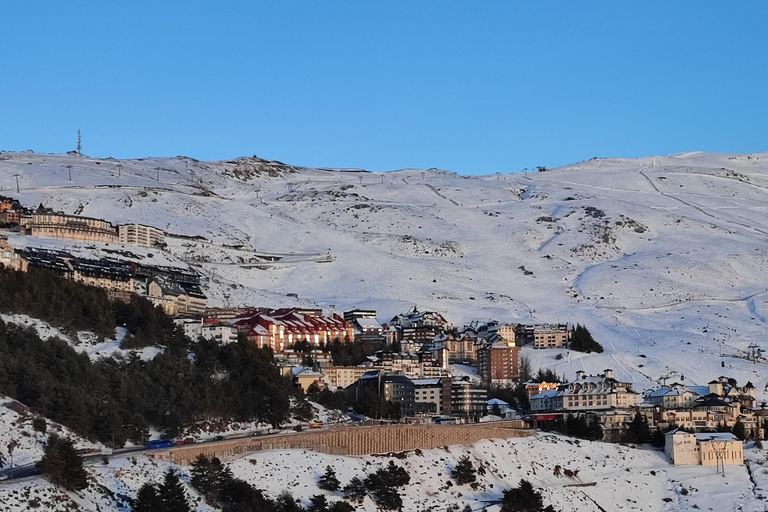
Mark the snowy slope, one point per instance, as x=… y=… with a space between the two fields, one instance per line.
x=661 y=257
x=620 y=478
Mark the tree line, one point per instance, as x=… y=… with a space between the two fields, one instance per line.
x=123 y=398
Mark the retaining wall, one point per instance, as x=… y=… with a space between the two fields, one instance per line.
x=351 y=441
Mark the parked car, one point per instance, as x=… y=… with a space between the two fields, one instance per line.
x=316 y=424
x=297 y=428
x=218 y=438
x=189 y=440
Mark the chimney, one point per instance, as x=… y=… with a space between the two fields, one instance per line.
x=579 y=374
x=608 y=374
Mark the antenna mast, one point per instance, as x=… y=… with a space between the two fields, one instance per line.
x=79 y=147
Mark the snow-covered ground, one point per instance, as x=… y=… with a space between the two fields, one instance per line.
x=662 y=258
x=624 y=478
x=29 y=444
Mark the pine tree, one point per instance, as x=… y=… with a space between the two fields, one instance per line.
x=738 y=430
x=172 y=494
x=328 y=481
x=582 y=341
x=287 y=503
x=637 y=431
x=209 y=476
x=318 y=503
x=341 y=506
x=62 y=464
x=594 y=430
x=355 y=490
x=394 y=475
x=147 y=500
x=523 y=498
x=464 y=472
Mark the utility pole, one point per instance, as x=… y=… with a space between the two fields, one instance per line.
x=119 y=170
x=79 y=147
x=69 y=168
x=17 y=182
x=158 y=174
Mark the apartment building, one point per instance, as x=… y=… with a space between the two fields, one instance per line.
x=140 y=235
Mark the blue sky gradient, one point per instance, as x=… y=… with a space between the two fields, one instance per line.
x=472 y=87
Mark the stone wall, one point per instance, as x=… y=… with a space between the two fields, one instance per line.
x=351 y=441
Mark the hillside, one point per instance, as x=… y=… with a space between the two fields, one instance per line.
x=620 y=478
x=662 y=258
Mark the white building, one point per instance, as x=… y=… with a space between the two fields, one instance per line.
x=587 y=393
x=140 y=235
x=685 y=449
x=220 y=333
x=192 y=327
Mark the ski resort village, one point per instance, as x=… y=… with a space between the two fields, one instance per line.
x=250 y=335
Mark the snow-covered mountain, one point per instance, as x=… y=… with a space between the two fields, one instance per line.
x=662 y=258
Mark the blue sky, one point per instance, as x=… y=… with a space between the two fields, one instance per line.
x=473 y=87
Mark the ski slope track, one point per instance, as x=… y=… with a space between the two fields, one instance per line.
x=662 y=258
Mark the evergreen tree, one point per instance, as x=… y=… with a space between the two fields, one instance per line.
x=209 y=477
x=464 y=472
x=287 y=503
x=318 y=503
x=355 y=490
x=341 y=506
x=637 y=431
x=525 y=369
x=62 y=465
x=523 y=498
x=148 y=500
x=239 y=496
x=738 y=430
x=594 y=431
x=582 y=341
x=328 y=481
x=172 y=494
x=382 y=486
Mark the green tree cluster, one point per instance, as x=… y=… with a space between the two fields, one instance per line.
x=524 y=498
x=582 y=341
x=577 y=425
x=464 y=472
x=125 y=397
x=348 y=353
x=636 y=431
x=381 y=486
x=169 y=496
x=62 y=303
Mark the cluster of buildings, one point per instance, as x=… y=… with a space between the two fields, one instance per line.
x=443 y=396
x=43 y=222
x=175 y=290
x=700 y=409
x=721 y=403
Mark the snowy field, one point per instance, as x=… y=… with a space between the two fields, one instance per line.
x=619 y=478
x=662 y=258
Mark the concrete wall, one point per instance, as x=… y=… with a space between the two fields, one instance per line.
x=352 y=441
